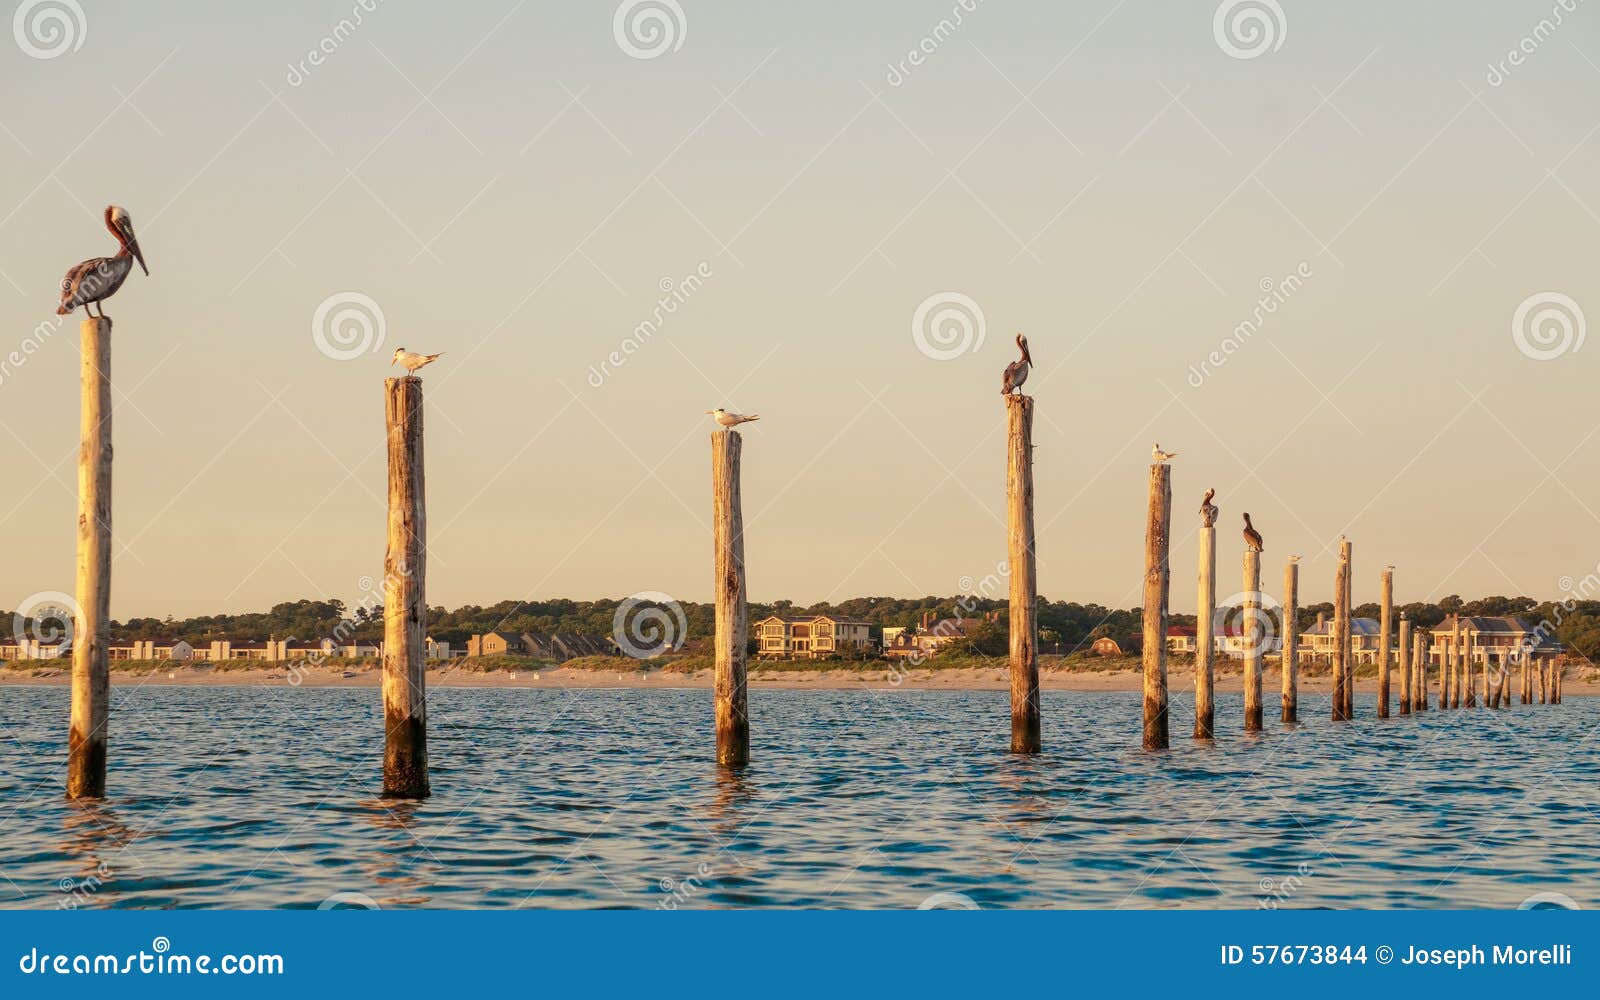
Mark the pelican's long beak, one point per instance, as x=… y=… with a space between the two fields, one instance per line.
x=133 y=246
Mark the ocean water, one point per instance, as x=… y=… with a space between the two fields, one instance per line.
x=265 y=797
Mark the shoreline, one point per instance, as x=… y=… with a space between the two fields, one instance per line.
x=821 y=679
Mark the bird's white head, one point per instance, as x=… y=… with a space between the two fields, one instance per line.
x=399 y=352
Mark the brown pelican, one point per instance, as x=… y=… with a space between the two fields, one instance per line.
x=411 y=361
x=98 y=279
x=1252 y=537
x=1208 y=510
x=728 y=419
x=1017 y=371
x=1158 y=456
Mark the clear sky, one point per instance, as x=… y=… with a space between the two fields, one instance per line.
x=511 y=186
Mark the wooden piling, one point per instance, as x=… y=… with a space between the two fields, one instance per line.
x=88 y=736
x=730 y=669
x=1025 y=714
x=1345 y=639
x=1157 y=578
x=1290 y=658
x=1403 y=647
x=1556 y=672
x=1386 y=632
x=1341 y=652
x=1205 y=638
x=1470 y=681
x=1526 y=694
x=1255 y=634
x=1544 y=682
x=1455 y=665
x=405 y=606
x=1419 y=665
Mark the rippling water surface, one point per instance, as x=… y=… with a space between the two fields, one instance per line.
x=256 y=797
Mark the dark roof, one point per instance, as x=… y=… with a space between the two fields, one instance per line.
x=1182 y=631
x=1358 y=626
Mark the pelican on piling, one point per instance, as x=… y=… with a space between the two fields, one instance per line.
x=411 y=361
x=98 y=278
x=1208 y=510
x=729 y=419
x=1252 y=537
x=1017 y=371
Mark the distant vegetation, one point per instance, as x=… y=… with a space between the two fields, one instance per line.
x=1065 y=627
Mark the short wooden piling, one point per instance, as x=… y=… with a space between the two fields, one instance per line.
x=1385 y=636
x=405 y=606
x=730 y=669
x=1290 y=658
x=1470 y=692
x=1544 y=682
x=1526 y=694
x=1205 y=637
x=1157 y=579
x=1455 y=666
x=1025 y=714
x=1556 y=672
x=88 y=735
x=1403 y=647
x=1419 y=665
x=1341 y=652
x=1255 y=636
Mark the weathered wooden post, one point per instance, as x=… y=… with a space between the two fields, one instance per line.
x=1491 y=699
x=1404 y=650
x=91 y=669
x=1025 y=724
x=1291 y=640
x=1556 y=672
x=1455 y=665
x=1527 y=680
x=1255 y=637
x=1341 y=652
x=1544 y=682
x=1344 y=634
x=732 y=610
x=1469 y=682
x=1157 y=578
x=1385 y=633
x=1419 y=663
x=1205 y=629
x=405 y=606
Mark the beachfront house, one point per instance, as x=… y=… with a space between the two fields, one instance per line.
x=811 y=636
x=1317 y=642
x=496 y=643
x=1182 y=639
x=28 y=648
x=1499 y=640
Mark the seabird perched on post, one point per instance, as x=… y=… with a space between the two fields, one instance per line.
x=98 y=278
x=1017 y=371
x=1252 y=537
x=411 y=361
x=1158 y=456
x=1208 y=510
x=730 y=419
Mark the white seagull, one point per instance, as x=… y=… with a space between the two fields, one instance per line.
x=411 y=361
x=727 y=419
x=1159 y=456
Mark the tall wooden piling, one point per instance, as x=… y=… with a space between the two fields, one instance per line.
x=1205 y=637
x=1025 y=714
x=729 y=679
x=1157 y=579
x=1527 y=681
x=1403 y=647
x=1290 y=658
x=1341 y=652
x=1544 y=682
x=1256 y=632
x=1455 y=665
x=1419 y=665
x=1469 y=693
x=1556 y=672
x=1385 y=636
x=1490 y=700
x=405 y=606
x=1344 y=633
x=91 y=669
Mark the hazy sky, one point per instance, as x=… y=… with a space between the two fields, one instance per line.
x=511 y=186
